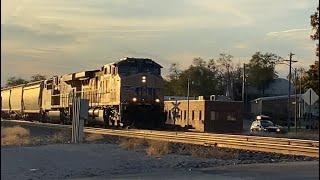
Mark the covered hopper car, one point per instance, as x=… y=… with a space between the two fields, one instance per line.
x=124 y=93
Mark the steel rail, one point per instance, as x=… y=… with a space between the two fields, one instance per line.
x=218 y=142
x=270 y=140
x=243 y=142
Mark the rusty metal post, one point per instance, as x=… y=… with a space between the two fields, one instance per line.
x=79 y=115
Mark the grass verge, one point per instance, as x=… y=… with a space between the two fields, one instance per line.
x=16 y=136
x=131 y=143
x=158 y=148
x=19 y=136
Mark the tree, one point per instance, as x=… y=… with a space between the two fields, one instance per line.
x=203 y=79
x=212 y=66
x=225 y=70
x=13 y=81
x=261 y=70
x=297 y=79
x=37 y=77
x=236 y=81
x=311 y=78
x=174 y=71
x=314 y=21
x=206 y=78
x=170 y=85
x=199 y=62
x=203 y=82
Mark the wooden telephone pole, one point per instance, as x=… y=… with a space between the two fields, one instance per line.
x=289 y=89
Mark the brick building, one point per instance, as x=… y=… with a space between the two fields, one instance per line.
x=205 y=115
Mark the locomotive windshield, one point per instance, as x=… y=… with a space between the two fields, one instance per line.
x=130 y=67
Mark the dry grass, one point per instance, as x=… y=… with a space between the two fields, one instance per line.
x=93 y=137
x=19 y=136
x=15 y=136
x=131 y=143
x=157 y=148
x=60 y=137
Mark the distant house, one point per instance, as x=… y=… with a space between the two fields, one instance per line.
x=278 y=87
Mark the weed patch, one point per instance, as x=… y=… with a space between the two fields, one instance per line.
x=157 y=148
x=15 y=136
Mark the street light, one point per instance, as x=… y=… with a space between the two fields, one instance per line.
x=188 y=94
x=244 y=87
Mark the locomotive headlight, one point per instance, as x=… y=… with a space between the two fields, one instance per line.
x=157 y=100
x=134 y=99
x=144 y=79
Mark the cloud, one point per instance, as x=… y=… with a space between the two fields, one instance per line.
x=183 y=58
x=289 y=32
x=64 y=36
x=22 y=33
x=241 y=46
x=74 y=16
x=226 y=8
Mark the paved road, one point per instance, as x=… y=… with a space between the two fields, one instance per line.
x=107 y=161
x=285 y=171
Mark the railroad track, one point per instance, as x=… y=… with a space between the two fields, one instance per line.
x=243 y=142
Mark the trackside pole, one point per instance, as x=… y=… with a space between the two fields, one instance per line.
x=79 y=115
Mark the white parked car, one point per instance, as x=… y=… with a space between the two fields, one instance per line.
x=263 y=123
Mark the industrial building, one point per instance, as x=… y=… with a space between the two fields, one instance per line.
x=205 y=115
x=277 y=108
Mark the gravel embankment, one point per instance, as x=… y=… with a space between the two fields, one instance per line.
x=101 y=155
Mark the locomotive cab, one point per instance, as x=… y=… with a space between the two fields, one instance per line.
x=141 y=92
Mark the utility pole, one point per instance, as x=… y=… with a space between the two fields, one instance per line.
x=188 y=94
x=300 y=88
x=295 y=99
x=289 y=89
x=244 y=86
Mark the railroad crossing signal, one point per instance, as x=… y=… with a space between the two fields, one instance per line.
x=175 y=110
x=310 y=97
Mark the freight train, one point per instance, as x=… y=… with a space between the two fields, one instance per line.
x=125 y=93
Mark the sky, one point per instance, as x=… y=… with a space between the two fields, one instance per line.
x=59 y=37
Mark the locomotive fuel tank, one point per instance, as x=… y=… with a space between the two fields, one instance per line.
x=54 y=115
x=96 y=115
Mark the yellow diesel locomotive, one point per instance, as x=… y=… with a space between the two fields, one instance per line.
x=125 y=93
